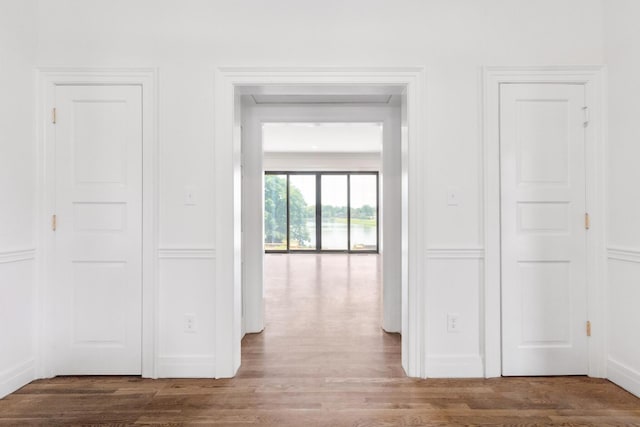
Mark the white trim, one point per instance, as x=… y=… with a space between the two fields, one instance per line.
x=186 y=366
x=455 y=366
x=624 y=254
x=593 y=79
x=455 y=253
x=228 y=285
x=17 y=376
x=147 y=78
x=339 y=155
x=18 y=255
x=624 y=376
x=313 y=162
x=186 y=253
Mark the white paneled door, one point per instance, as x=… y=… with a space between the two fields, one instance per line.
x=98 y=236
x=544 y=292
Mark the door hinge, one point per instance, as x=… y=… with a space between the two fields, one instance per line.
x=588 y=328
x=53 y=116
x=587 y=221
x=54 y=222
x=586 y=115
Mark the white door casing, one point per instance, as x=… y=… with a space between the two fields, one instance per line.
x=543 y=205
x=253 y=117
x=228 y=284
x=98 y=236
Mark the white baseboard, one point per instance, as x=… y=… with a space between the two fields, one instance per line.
x=455 y=366
x=186 y=366
x=14 y=378
x=624 y=376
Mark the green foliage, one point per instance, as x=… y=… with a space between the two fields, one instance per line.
x=297 y=216
x=364 y=212
x=275 y=211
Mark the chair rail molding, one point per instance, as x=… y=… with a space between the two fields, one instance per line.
x=624 y=254
x=17 y=255
x=455 y=253
x=186 y=253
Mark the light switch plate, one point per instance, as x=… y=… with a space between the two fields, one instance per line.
x=453 y=322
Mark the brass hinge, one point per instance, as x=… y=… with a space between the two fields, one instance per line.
x=53 y=116
x=587 y=221
x=53 y=223
x=587 y=117
x=588 y=328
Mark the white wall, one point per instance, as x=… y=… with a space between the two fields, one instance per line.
x=17 y=194
x=185 y=40
x=322 y=161
x=622 y=50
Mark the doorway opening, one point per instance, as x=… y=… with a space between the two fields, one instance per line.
x=316 y=175
x=320 y=204
x=239 y=239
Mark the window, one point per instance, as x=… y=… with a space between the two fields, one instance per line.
x=321 y=211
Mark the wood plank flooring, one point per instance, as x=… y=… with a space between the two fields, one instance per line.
x=321 y=361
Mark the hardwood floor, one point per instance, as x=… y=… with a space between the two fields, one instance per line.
x=321 y=361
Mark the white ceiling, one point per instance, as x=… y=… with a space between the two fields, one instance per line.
x=322 y=137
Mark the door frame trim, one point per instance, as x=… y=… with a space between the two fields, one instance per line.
x=593 y=77
x=46 y=80
x=226 y=145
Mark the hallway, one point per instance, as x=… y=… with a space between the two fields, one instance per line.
x=322 y=317
x=321 y=361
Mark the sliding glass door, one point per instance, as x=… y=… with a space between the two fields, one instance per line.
x=363 y=205
x=321 y=211
x=334 y=201
x=302 y=212
x=275 y=212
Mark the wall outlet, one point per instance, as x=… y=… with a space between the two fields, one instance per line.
x=190 y=323
x=453 y=196
x=189 y=196
x=453 y=322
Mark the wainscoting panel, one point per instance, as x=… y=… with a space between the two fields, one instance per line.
x=454 y=279
x=186 y=313
x=186 y=253
x=623 y=358
x=17 y=314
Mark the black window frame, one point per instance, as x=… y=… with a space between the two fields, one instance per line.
x=318 y=249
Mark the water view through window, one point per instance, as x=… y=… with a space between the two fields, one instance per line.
x=302 y=212
x=320 y=211
x=334 y=212
x=364 y=212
